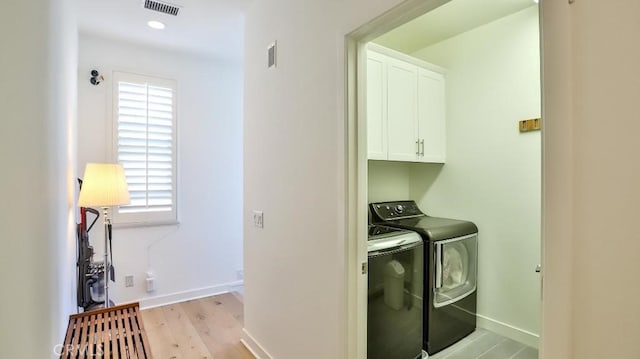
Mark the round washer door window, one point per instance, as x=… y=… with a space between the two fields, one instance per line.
x=455 y=266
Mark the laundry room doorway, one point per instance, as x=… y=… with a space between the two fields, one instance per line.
x=482 y=162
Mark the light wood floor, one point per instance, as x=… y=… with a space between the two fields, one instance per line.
x=198 y=329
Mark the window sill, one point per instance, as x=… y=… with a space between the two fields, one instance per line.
x=146 y=224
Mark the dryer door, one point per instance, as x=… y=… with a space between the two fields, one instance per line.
x=456 y=262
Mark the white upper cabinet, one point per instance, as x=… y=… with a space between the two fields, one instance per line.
x=405 y=108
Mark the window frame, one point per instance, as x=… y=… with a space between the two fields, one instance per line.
x=145 y=218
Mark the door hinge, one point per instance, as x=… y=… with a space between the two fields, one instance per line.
x=364 y=267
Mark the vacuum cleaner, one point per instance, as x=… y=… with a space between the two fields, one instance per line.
x=90 y=294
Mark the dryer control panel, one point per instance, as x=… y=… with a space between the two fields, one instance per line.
x=396 y=210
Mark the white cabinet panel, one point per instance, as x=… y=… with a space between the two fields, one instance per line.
x=402 y=109
x=376 y=106
x=431 y=115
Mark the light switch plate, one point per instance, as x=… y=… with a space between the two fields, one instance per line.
x=258 y=219
x=272 y=54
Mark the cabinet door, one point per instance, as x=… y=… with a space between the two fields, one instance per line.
x=431 y=116
x=402 y=89
x=376 y=106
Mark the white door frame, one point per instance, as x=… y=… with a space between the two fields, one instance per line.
x=357 y=164
x=556 y=338
x=556 y=319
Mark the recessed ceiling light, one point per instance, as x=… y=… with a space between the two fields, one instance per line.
x=156 y=25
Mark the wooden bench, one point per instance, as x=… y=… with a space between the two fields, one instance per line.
x=115 y=332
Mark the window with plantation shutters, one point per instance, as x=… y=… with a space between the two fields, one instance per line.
x=144 y=143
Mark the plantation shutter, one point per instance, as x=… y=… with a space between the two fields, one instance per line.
x=145 y=114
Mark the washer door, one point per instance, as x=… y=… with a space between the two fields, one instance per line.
x=455 y=269
x=395 y=304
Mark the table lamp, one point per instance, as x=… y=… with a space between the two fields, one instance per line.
x=104 y=185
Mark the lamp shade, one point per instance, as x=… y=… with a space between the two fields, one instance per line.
x=103 y=185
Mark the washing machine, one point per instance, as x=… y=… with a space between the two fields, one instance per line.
x=394 y=293
x=450 y=270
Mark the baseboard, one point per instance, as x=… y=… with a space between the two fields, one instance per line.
x=509 y=331
x=157 y=301
x=253 y=346
x=236 y=286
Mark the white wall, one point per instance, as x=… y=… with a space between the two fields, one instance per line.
x=395 y=180
x=37 y=98
x=493 y=172
x=295 y=171
x=388 y=181
x=202 y=254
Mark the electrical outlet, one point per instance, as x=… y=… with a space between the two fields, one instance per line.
x=128 y=281
x=258 y=219
x=150 y=281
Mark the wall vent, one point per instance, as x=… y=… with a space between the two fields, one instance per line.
x=162 y=7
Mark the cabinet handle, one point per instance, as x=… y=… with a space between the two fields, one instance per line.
x=422 y=144
x=417 y=147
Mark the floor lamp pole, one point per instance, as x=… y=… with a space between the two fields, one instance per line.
x=105 y=215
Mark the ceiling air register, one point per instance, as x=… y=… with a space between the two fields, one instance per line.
x=163 y=7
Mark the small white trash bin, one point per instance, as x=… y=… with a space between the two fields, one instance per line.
x=394 y=285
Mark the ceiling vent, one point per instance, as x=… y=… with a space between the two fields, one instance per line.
x=162 y=7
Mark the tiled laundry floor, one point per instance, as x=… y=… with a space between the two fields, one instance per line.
x=483 y=344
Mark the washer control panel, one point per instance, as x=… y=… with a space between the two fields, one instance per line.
x=398 y=209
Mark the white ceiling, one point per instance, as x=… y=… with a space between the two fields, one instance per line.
x=216 y=27
x=451 y=19
x=210 y=27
